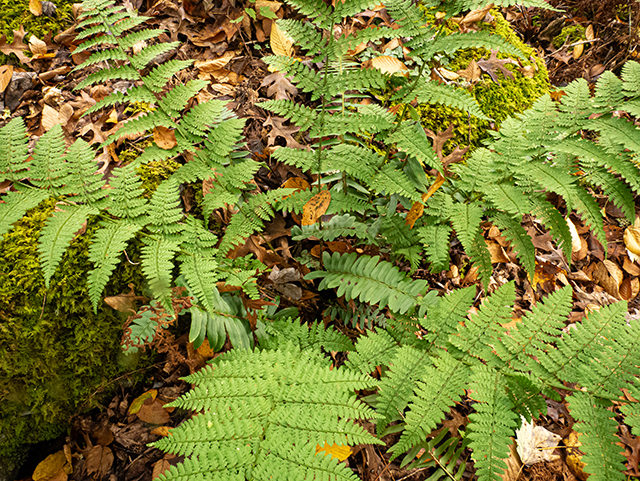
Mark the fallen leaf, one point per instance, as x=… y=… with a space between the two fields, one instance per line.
x=51 y=117
x=6 y=71
x=296 y=183
x=387 y=64
x=588 y=33
x=165 y=138
x=417 y=208
x=497 y=252
x=215 y=64
x=472 y=73
x=577 y=51
x=448 y=74
x=316 y=207
x=281 y=43
x=476 y=15
x=335 y=450
x=514 y=465
x=493 y=64
x=284 y=131
x=160 y=467
x=35 y=7
x=632 y=240
x=536 y=444
x=50 y=466
x=574 y=455
x=279 y=85
x=140 y=400
x=17 y=47
x=153 y=413
x=161 y=431
x=37 y=46
x=99 y=461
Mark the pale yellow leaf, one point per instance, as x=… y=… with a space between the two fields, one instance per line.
x=577 y=51
x=316 y=207
x=632 y=242
x=448 y=74
x=37 y=46
x=281 y=43
x=35 y=7
x=51 y=117
x=576 y=244
x=588 y=33
x=6 y=72
x=387 y=64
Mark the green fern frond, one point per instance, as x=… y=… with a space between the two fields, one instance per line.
x=13 y=150
x=443 y=454
x=199 y=119
x=443 y=320
x=492 y=423
x=305 y=336
x=164 y=212
x=466 y=220
x=104 y=252
x=157 y=264
x=16 y=203
x=631 y=78
x=123 y=72
x=576 y=106
x=198 y=264
x=553 y=220
x=441 y=386
x=435 y=93
x=609 y=93
x=83 y=178
x=58 y=231
x=142 y=59
x=126 y=200
x=304 y=33
x=617 y=134
x=389 y=180
x=377 y=348
x=449 y=44
x=338 y=226
x=370 y=280
x=411 y=138
x=159 y=76
x=435 y=238
x=298 y=114
x=48 y=169
x=280 y=405
x=134 y=94
x=603 y=457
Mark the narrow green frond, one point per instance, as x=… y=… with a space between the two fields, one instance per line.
x=83 y=179
x=159 y=76
x=16 y=203
x=412 y=139
x=58 y=231
x=435 y=239
x=13 y=150
x=157 y=264
x=164 y=211
x=449 y=44
x=142 y=59
x=126 y=197
x=123 y=72
x=435 y=93
x=48 y=168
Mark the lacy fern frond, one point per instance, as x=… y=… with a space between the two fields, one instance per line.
x=104 y=251
x=338 y=226
x=13 y=150
x=83 y=178
x=16 y=204
x=279 y=406
x=312 y=336
x=434 y=236
x=126 y=199
x=48 y=169
x=58 y=231
x=164 y=212
x=157 y=264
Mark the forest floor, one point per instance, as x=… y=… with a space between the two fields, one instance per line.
x=111 y=443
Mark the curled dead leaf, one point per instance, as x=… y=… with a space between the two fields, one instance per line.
x=37 y=46
x=588 y=33
x=6 y=72
x=387 y=64
x=632 y=241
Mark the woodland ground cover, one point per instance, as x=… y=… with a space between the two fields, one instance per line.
x=298 y=253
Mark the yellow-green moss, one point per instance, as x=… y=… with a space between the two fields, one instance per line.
x=54 y=351
x=497 y=101
x=570 y=34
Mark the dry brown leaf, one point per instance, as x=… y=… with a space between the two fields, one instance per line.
x=207 y=66
x=99 y=460
x=476 y=15
x=630 y=267
x=514 y=465
x=387 y=64
x=417 y=208
x=588 y=33
x=316 y=207
x=577 y=51
x=632 y=240
x=17 y=47
x=271 y=5
x=281 y=43
x=37 y=46
x=160 y=467
x=35 y=7
x=472 y=73
x=614 y=271
x=497 y=252
x=51 y=117
x=137 y=403
x=279 y=85
x=296 y=183
x=448 y=74
x=493 y=64
x=161 y=431
x=50 y=467
x=284 y=131
x=153 y=413
x=6 y=72
x=165 y=138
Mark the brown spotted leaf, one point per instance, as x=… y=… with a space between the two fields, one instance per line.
x=316 y=207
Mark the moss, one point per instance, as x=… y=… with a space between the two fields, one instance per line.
x=54 y=351
x=153 y=173
x=570 y=34
x=497 y=101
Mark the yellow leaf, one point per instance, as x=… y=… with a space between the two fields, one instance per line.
x=336 y=451
x=50 y=467
x=418 y=208
x=588 y=33
x=577 y=51
x=139 y=401
x=632 y=242
x=316 y=207
x=6 y=72
x=35 y=7
x=281 y=43
x=296 y=183
x=387 y=64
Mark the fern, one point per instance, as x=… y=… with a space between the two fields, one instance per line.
x=279 y=405
x=13 y=150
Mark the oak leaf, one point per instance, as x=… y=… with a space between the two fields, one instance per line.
x=279 y=85
x=493 y=64
x=284 y=131
x=17 y=47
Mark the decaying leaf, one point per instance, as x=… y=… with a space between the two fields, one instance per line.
x=17 y=47
x=35 y=7
x=6 y=71
x=417 y=208
x=588 y=33
x=493 y=64
x=152 y=412
x=279 y=85
x=37 y=46
x=476 y=15
x=139 y=401
x=99 y=460
x=165 y=138
x=281 y=43
x=284 y=131
x=514 y=465
x=536 y=444
x=335 y=450
x=55 y=465
x=316 y=207
x=472 y=73
x=577 y=51
x=387 y=64
x=632 y=240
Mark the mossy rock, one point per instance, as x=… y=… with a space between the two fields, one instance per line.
x=497 y=101
x=16 y=14
x=55 y=352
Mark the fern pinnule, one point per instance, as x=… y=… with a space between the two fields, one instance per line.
x=313 y=336
x=410 y=137
x=434 y=236
x=377 y=348
x=443 y=320
x=157 y=265
x=104 y=252
x=164 y=211
x=13 y=150
x=338 y=226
